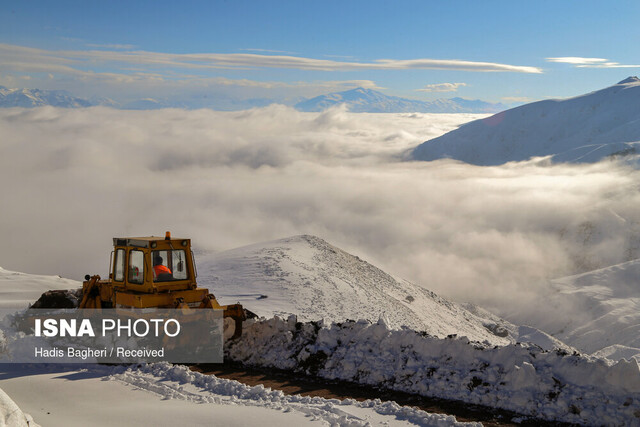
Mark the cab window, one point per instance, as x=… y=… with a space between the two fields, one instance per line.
x=169 y=265
x=136 y=266
x=119 y=266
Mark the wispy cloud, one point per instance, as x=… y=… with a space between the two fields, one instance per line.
x=249 y=60
x=125 y=75
x=112 y=46
x=442 y=87
x=329 y=85
x=452 y=64
x=577 y=60
x=581 y=62
x=135 y=75
x=268 y=51
x=340 y=56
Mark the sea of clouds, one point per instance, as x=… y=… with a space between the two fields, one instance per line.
x=71 y=179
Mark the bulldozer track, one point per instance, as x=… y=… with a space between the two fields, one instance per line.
x=293 y=384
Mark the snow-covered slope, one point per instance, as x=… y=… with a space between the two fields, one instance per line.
x=598 y=311
x=306 y=276
x=586 y=128
x=18 y=290
x=362 y=100
x=11 y=415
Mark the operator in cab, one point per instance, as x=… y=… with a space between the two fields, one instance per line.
x=160 y=269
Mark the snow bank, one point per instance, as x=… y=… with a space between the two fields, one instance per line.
x=553 y=385
x=11 y=415
x=178 y=382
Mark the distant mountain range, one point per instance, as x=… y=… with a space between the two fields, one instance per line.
x=28 y=98
x=362 y=100
x=358 y=100
x=36 y=98
x=582 y=129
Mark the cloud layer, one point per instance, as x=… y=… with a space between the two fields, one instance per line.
x=73 y=179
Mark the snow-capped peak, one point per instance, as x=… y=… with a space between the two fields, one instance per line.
x=308 y=277
x=630 y=79
x=583 y=129
x=363 y=100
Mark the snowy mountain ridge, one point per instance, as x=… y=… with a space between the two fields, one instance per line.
x=27 y=98
x=358 y=100
x=582 y=129
x=307 y=277
x=594 y=312
x=602 y=311
x=361 y=100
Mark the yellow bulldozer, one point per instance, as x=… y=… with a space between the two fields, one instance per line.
x=151 y=272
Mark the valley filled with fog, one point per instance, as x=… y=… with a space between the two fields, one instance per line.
x=74 y=178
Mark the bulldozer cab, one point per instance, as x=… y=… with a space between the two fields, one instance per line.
x=155 y=272
x=153 y=264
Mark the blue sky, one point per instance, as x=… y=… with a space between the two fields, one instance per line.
x=498 y=51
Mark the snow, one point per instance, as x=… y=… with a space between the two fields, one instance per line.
x=423 y=345
x=631 y=79
x=358 y=100
x=11 y=415
x=161 y=394
x=586 y=128
x=18 y=290
x=601 y=311
x=35 y=97
x=164 y=395
x=165 y=379
x=362 y=100
x=306 y=276
x=66 y=397
x=553 y=385
x=618 y=352
x=528 y=334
